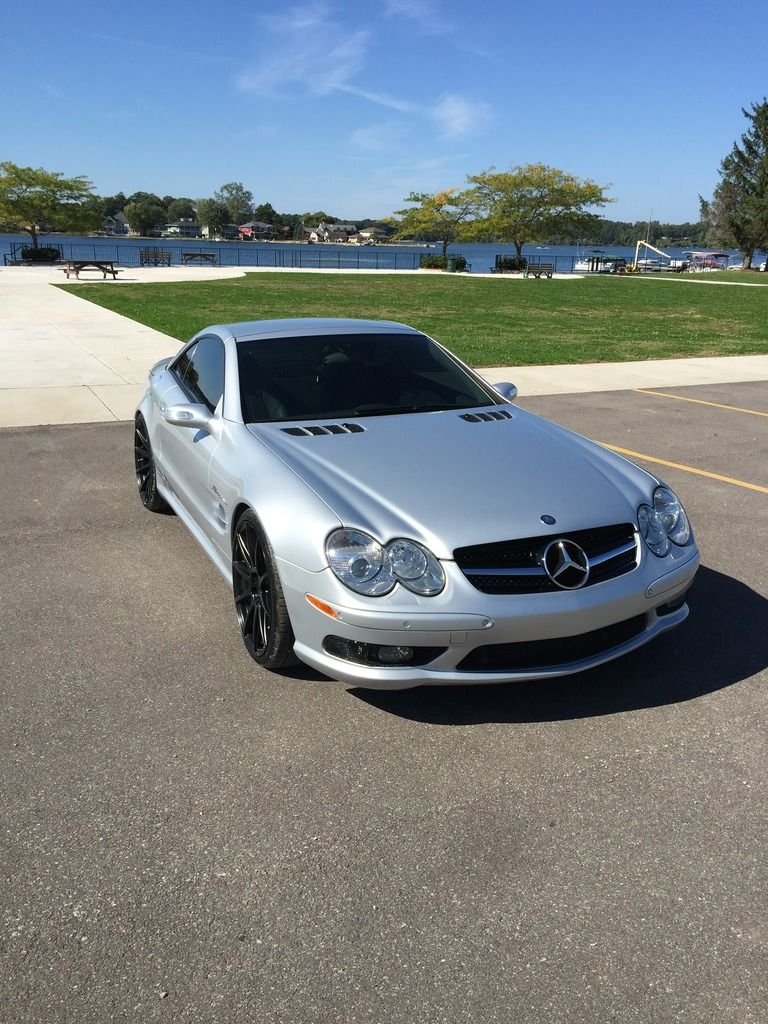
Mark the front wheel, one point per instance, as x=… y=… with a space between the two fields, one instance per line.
x=146 y=475
x=261 y=611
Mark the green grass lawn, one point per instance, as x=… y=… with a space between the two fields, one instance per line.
x=488 y=322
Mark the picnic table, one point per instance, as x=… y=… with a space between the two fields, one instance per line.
x=203 y=257
x=73 y=267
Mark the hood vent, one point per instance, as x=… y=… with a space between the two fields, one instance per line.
x=486 y=417
x=328 y=428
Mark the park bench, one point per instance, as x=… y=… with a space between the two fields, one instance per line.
x=203 y=257
x=154 y=257
x=540 y=270
x=73 y=268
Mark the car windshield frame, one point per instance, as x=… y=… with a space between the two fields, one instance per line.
x=351 y=375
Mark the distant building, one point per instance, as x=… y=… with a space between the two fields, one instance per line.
x=184 y=228
x=228 y=231
x=257 y=229
x=116 y=224
x=329 y=232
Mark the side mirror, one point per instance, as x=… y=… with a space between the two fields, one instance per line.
x=198 y=416
x=506 y=390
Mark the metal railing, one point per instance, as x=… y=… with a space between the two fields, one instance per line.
x=250 y=255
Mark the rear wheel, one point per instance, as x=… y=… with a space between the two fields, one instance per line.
x=261 y=611
x=146 y=477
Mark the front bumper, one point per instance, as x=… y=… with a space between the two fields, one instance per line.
x=562 y=633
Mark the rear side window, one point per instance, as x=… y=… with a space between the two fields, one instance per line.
x=200 y=370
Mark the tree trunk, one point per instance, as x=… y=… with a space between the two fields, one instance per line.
x=746 y=263
x=519 y=249
x=32 y=229
x=445 y=247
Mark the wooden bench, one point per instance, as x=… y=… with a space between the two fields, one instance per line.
x=73 y=267
x=154 y=257
x=203 y=257
x=540 y=270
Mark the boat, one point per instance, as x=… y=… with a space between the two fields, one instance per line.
x=586 y=264
x=700 y=262
x=600 y=263
x=652 y=264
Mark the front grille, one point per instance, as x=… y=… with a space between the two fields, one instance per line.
x=515 y=566
x=544 y=654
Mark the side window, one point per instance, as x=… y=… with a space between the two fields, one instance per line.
x=201 y=370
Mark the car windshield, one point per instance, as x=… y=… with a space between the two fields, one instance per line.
x=345 y=375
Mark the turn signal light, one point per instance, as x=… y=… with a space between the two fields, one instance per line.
x=322 y=606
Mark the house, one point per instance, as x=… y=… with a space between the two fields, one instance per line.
x=184 y=228
x=257 y=229
x=225 y=231
x=116 y=224
x=374 y=234
x=329 y=232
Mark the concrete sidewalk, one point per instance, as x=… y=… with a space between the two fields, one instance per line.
x=63 y=360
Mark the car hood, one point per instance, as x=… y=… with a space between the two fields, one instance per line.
x=449 y=482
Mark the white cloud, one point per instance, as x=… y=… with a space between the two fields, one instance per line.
x=322 y=60
x=382 y=100
x=457 y=117
x=316 y=52
x=427 y=14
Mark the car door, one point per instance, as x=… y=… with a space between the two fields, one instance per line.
x=186 y=452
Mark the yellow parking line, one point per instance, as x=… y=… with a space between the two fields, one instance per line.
x=686 y=469
x=699 y=401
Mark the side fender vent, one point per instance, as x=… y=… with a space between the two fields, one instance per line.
x=486 y=417
x=326 y=428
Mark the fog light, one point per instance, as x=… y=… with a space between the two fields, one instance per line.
x=376 y=655
x=672 y=606
x=395 y=655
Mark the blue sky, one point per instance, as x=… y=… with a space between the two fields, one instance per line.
x=348 y=107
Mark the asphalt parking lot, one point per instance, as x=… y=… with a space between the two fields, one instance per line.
x=188 y=838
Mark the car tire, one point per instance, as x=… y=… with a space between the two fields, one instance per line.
x=146 y=475
x=259 y=602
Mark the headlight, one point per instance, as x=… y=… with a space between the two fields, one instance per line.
x=415 y=567
x=359 y=562
x=363 y=565
x=663 y=522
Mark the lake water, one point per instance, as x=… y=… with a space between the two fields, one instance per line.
x=300 y=254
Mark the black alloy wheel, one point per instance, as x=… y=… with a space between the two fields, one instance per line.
x=261 y=611
x=146 y=477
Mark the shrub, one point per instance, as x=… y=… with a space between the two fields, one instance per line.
x=40 y=254
x=440 y=262
x=511 y=264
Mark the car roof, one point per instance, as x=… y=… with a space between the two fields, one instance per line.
x=309 y=326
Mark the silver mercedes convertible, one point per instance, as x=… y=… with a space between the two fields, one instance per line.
x=386 y=516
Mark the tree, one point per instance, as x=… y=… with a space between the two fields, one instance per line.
x=31 y=198
x=113 y=204
x=266 y=213
x=145 y=215
x=738 y=212
x=238 y=201
x=319 y=217
x=533 y=203
x=437 y=217
x=213 y=215
x=180 y=209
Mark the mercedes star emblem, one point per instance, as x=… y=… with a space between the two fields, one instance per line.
x=566 y=564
